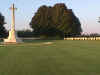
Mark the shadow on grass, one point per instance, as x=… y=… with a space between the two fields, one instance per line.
x=30 y=41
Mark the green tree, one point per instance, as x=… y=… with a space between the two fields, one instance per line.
x=56 y=20
x=3 y=32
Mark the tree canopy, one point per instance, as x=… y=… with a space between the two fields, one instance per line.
x=56 y=20
x=3 y=32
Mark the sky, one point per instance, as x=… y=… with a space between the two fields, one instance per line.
x=87 y=11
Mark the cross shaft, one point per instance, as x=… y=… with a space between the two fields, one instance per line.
x=13 y=17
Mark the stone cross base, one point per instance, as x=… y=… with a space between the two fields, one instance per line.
x=12 y=38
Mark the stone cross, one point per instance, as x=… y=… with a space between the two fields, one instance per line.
x=12 y=38
x=13 y=17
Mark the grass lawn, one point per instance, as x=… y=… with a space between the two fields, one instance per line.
x=62 y=57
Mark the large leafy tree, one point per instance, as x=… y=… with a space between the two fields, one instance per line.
x=3 y=32
x=56 y=20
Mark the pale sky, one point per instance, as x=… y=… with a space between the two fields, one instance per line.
x=87 y=11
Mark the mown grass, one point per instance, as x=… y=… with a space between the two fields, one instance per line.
x=62 y=57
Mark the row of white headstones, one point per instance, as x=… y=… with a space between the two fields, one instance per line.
x=82 y=38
